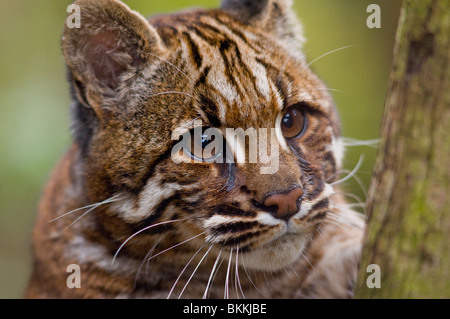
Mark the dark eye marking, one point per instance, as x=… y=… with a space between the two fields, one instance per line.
x=210 y=108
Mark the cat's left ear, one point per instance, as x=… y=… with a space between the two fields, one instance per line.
x=108 y=50
x=274 y=16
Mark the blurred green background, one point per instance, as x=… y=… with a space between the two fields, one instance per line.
x=34 y=98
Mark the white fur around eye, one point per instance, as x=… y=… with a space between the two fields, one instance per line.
x=279 y=133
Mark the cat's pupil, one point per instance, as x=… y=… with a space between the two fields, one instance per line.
x=199 y=143
x=206 y=140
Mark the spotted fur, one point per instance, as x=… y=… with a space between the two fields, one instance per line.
x=140 y=225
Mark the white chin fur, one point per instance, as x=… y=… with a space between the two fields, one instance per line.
x=277 y=254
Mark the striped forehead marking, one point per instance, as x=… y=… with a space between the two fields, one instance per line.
x=228 y=55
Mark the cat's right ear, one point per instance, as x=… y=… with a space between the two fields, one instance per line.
x=276 y=17
x=107 y=51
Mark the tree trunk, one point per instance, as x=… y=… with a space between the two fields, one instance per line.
x=408 y=204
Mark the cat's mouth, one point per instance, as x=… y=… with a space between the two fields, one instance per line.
x=271 y=244
x=265 y=242
x=276 y=254
x=287 y=245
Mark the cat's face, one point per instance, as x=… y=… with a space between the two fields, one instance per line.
x=143 y=90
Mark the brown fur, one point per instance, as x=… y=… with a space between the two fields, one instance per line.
x=134 y=83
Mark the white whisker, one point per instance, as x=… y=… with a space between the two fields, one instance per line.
x=329 y=89
x=354 y=176
x=337 y=220
x=174 y=246
x=356 y=198
x=267 y=282
x=184 y=269
x=192 y=275
x=332 y=222
x=172 y=65
x=250 y=279
x=142 y=230
x=149 y=253
x=360 y=184
x=328 y=53
x=236 y=275
x=305 y=255
x=106 y=201
x=217 y=270
x=80 y=217
x=295 y=273
x=352 y=173
x=352 y=142
x=172 y=92
x=226 y=291
x=205 y=295
x=351 y=206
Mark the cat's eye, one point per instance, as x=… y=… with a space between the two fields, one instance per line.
x=205 y=146
x=294 y=122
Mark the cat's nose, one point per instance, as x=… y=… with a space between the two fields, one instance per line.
x=287 y=203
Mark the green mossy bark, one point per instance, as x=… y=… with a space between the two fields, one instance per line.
x=408 y=205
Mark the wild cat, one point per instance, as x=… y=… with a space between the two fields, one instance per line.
x=141 y=220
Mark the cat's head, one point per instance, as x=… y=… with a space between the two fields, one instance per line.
x=141 y=89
